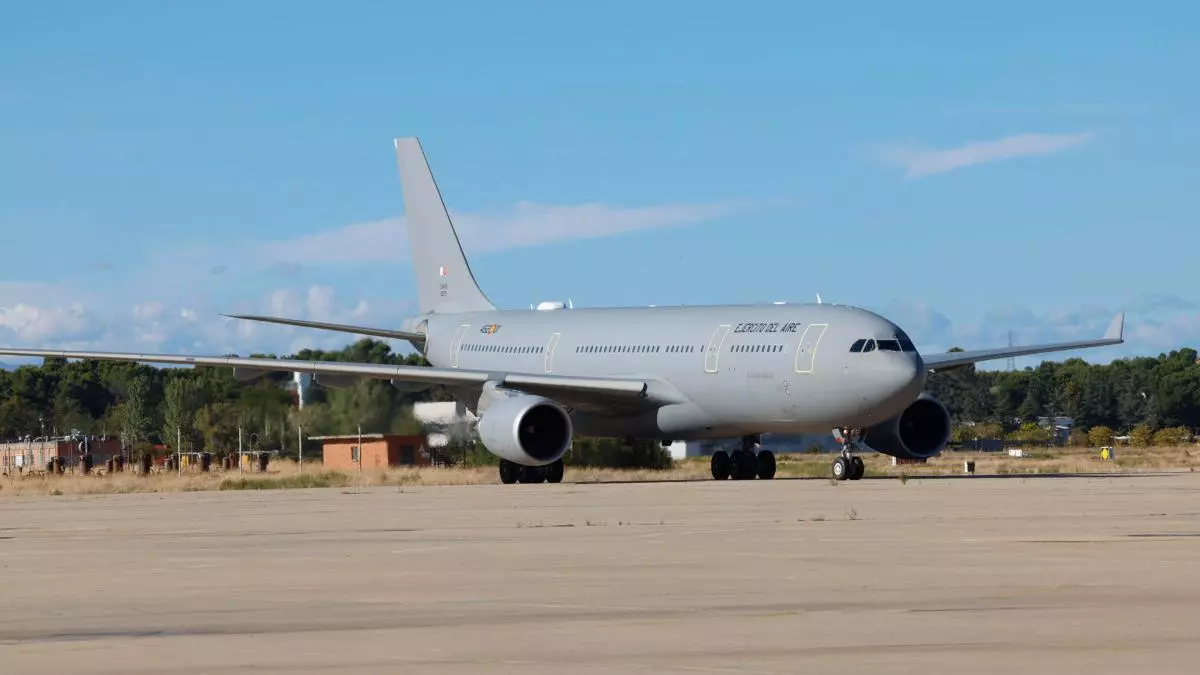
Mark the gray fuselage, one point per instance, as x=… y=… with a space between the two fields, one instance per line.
x=738 y=369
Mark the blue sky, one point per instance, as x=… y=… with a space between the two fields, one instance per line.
x=968 y=170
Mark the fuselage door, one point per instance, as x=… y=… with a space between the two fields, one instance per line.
x=806 y=352
x=456 y=344
x=713 y=353
x=550 y=351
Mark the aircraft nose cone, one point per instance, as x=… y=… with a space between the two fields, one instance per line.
x=917 y=372
x=905 y=375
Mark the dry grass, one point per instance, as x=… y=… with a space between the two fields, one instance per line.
x=286 y=474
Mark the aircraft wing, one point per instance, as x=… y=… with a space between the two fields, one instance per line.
x=340 y=327
x=585 y=392
x=1113 y=336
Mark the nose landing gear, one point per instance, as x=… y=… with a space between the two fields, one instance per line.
x=848 y=466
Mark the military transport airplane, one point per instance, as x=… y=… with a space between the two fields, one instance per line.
x=537 y=377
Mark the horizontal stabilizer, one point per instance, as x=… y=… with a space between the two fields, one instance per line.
x=339 y=327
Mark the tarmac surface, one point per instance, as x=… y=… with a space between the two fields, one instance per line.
x=961 y=575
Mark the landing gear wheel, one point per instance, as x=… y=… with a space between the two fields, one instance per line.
x=509 y=472
x=533 y=474
x=720 y=465
x=554 y=472
x=841 y=468
x=744 y=465
x=766 y=465
x=857 y=468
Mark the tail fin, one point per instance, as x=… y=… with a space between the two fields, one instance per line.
x=444 y=280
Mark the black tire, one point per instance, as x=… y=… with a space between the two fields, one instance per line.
x=744 y=465
x=509 y=472
x=720 y=465
x=554 y=472
x=858 y=468
x=841 y=469
x=533 y=474
x=766 y=465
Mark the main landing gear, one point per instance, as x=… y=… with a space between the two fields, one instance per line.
x=511 y=472
x=744 y=463
x=848 y=466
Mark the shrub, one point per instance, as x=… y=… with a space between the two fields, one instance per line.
x=1078 y=439
x=1141 y=436
x=1172 y=436
x=612 y=453
x=1100 y=436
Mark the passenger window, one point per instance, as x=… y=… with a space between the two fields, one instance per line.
x=858 y=346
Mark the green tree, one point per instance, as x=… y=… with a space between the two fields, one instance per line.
x=216 y=424
x=137 y=422
x=181 y=400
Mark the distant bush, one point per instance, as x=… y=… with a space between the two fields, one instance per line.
x=1141 y=436
x=1078 y=439
x=295 y=481
x=1172 y=436
x=600 y=453
x=612 y=453
x=1030 y=433
x=1100 y=436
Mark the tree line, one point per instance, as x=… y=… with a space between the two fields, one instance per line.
x=1152 y=399
x=202 y=407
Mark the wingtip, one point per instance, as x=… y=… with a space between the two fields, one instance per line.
x=1116 y=329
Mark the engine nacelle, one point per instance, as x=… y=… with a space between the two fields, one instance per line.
x=920 y=432
x=528 y=430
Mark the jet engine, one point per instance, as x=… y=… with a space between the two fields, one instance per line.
x=527 y=430
x=920 y=432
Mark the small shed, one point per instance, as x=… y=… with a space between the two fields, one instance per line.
x=372 y=451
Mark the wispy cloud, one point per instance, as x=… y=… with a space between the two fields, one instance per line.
x=526 y=224
x=175 y=326
x=1153 y=324
x=919 y=161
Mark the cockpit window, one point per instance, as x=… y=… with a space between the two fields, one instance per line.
x=870 y=346
x=905 y=343
x=858 y=346
x=889 y=345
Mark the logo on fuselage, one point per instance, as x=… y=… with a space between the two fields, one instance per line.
x=490 y=329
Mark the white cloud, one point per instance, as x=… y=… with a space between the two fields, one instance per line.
x=35 y=324
x=320 y=303
x=163 y=326
x=527 y=224
x=919 y=161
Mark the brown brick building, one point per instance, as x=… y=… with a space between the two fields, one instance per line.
x=377 y=450
x=34 y=455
